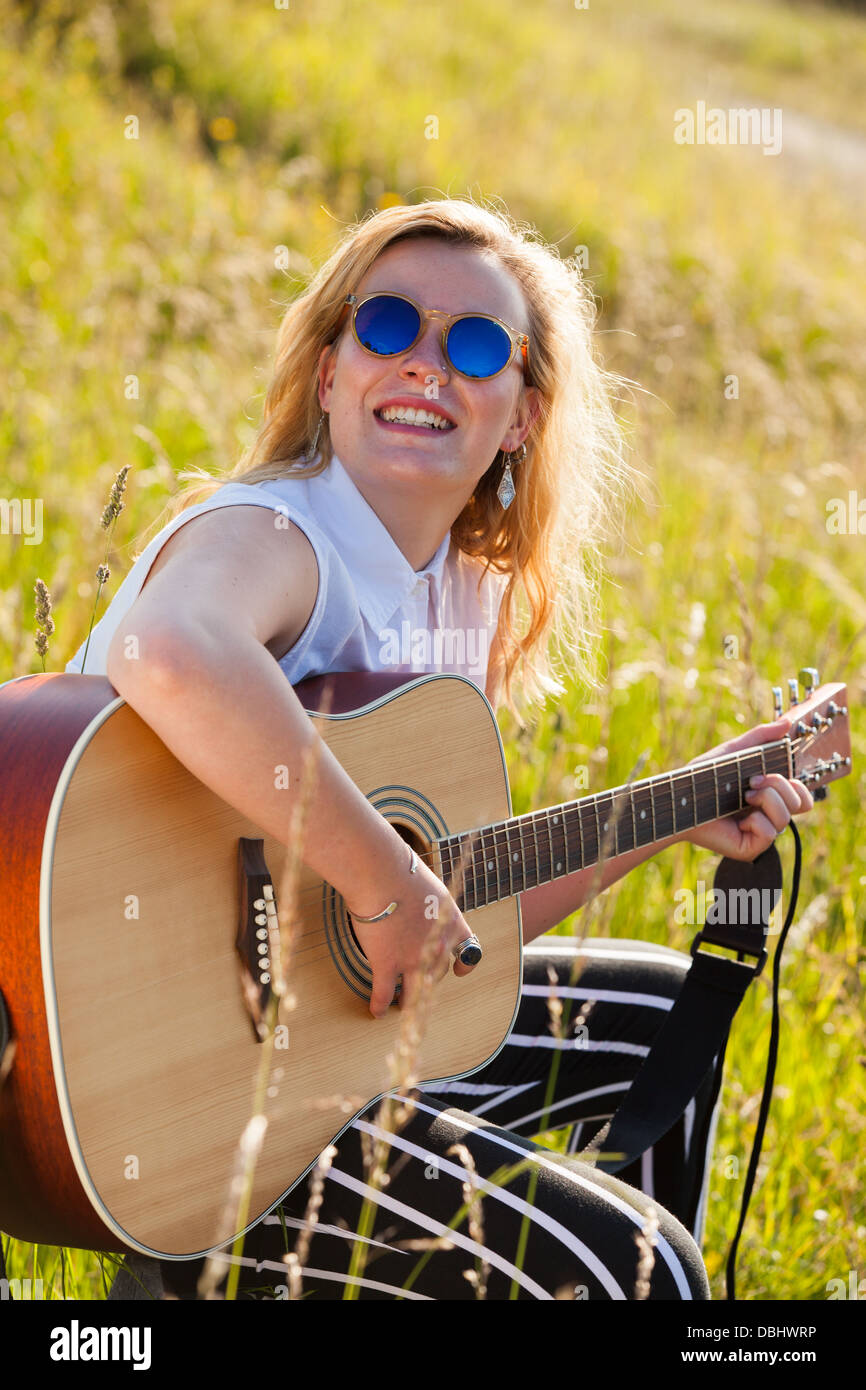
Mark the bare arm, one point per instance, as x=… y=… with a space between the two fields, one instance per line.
x=232 y=587
x=542 y=907
x=740 y=836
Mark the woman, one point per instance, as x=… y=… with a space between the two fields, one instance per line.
x=497 y=494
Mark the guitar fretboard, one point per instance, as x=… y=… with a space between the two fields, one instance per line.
x=514 y=855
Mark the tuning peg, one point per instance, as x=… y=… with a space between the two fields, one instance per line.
x=833 y=708
x=777 y=702
x=809 y=677
x=794 y=692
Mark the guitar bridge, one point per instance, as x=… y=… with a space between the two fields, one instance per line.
x=258 y=936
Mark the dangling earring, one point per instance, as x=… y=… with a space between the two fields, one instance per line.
x=311 y=454
x=506 y=492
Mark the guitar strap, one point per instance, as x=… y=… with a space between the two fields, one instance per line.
x=695 y=1032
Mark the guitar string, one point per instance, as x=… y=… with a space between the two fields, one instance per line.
x=452 y=842
x=298 y=951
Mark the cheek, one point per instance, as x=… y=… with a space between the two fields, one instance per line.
x=349 y=390
x=357 y=376
x=496 y=405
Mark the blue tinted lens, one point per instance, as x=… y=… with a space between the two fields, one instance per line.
x=478 y=347
x=386 y=325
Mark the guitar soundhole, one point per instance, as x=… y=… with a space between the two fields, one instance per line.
x=417 y=822
x=355 y=942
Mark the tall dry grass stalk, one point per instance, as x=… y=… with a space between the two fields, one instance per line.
x=500 y=1178
x=559 y=1012
x=592 y=1152
x=590 y=904
x=751 y=682
x=113 y=507
x=282 y=1001
x=645 y=1239
x=394 y=1112
x=297 y=1258
x=472 y=1199
x=44 y=620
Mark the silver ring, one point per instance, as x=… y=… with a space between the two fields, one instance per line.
x=469 y=952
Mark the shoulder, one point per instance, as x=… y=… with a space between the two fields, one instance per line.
x=256 y=529
x=241 y=557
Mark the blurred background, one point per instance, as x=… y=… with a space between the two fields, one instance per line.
x=171 y=173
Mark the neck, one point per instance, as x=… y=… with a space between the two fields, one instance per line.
x=416 y=517
x=496 y=861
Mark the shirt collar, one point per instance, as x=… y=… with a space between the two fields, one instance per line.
x=382 y=576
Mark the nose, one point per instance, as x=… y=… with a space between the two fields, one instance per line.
x=427 y=357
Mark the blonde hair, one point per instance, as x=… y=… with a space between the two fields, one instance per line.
x=574 y=471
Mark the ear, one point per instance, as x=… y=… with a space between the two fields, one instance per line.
x=526 y=413
x=326 y=368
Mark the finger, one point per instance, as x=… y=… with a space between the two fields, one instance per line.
x=441 y=967
x=441 y=963
x=460 y=969
x=782 y=786
x=384 y=987
x=408 y=990
x=762 y=733
x=795 y=796
x=417 y=981
x=772 y=805
x=759 y=832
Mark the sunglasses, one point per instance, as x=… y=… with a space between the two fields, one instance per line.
x=475 y=345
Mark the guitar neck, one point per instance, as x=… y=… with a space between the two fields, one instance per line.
x=497 y=861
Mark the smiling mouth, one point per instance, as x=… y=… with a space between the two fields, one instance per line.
x=414 y=419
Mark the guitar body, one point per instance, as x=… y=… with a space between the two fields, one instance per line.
x=136 y=1061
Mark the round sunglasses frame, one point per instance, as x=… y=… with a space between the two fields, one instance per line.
x=518 y=340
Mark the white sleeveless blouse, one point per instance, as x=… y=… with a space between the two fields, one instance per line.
x=373 y=612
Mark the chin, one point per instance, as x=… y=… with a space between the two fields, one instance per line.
x=405 y=461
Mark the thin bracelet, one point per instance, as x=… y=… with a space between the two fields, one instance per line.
x=392 y=907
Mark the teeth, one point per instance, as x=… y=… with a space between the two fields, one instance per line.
x=410 y=416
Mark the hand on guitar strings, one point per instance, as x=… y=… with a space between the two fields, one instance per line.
x=773 y=799
x=420 y=935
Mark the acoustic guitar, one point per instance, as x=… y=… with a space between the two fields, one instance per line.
x=141 y=917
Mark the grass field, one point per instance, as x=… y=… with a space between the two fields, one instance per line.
x=152 y=259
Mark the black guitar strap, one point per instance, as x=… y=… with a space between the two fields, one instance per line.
x=695 y=1031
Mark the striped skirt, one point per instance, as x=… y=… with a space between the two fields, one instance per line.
x=456 y=1201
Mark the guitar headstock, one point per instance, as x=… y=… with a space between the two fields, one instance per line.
x=820 y=734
